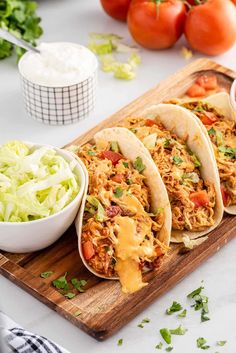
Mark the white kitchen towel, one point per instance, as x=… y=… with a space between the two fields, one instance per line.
x=15 y=339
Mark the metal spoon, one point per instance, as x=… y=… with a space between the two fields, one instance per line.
x=17 y=41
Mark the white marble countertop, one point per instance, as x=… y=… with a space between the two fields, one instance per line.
x=71 y=20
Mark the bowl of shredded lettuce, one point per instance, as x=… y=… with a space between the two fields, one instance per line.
x=41 y=188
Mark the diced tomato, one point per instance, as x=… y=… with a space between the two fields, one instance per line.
x=225 y=196
x=114 y=157
x=196 y=91
x=118 y=178
x=200 y=198
x=159 y=251
x=208 y=118
x=150 y=122
x=207 y=82
x=88 y=250
x=113 y=211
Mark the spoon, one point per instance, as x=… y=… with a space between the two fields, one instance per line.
x=17 y=41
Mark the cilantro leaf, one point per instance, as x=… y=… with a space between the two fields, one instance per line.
x=174 y=308
x=138 y=164
x=77 y=313
x=166 y=335
x=195 y=292
x=183 y=313
x=212 y=131
x=118 y=192
x=228 y=151
x=126 y=164
x=79 y=284
x=221 y=343
x=69 y=295
x=177 y=160
x=159 y=345
x=180 y=331
x=91 y=153
x=120 y=342
x=46 y=274
x=201 y=343
x=144 y=321
x=169 y=349
x=61 y=282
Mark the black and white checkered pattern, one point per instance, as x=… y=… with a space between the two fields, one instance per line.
x=60 y=105
x=19 y=340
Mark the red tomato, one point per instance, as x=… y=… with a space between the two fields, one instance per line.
x=118 y=178
x=225 y=196
x=207 y=82
x=211 y=27
x=156 y=26
x=150 y=122
x=114 y=157
x=208 y=118
x=117 y=9
x=196 y=91
x=234 y=1
x=88 y=250
x=199 y=198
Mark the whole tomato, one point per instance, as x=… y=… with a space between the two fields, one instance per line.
x=117 y=9
x=156 y=24
x=211 y=27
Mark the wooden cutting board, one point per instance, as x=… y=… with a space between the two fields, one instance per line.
x=104 y=308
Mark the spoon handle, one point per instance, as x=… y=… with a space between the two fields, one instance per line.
x=17 y=41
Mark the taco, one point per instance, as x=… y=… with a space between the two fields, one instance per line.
x=125 y=224
x=218 y=122
x=183 y=156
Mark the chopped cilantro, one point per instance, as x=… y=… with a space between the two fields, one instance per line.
x=126 y=164
x=177 y=160
x=183 y=313
x=120 y=342
x=77 y=313
x=201 y=343
x=228 y=151
x=159 y=345
x=169 y=349
x=166 y=335
x=212 y=131
x=70 y=295
x=144 y=321
x=221 y=343
x=195 y=292
x=61 y=282
x=114 y=146
x=174 y=308
x=79 y=284
x=167 y=142
x=180 y=331
x=46 y=274
x=91 y=153
x=138 y=164
x=195 y=160
x=118 y=192
x=129 y=182
x=201 y=303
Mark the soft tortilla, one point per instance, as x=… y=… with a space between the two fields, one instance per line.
x=131 y=148
x=184 y=124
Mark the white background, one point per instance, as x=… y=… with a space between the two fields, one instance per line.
x=72 y=20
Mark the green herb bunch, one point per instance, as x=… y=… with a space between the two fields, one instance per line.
x=20 y=18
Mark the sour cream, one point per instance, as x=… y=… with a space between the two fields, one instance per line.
x=58 y=64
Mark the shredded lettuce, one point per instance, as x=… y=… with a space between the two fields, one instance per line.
x=34 y=183
x=98 y=206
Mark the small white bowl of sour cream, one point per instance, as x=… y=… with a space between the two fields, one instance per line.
x=233 y=95
x=59 y=83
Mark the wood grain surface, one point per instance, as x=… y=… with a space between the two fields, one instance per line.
x=104 y=308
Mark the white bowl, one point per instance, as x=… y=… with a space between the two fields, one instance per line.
x=233 y=95
x=21 y=237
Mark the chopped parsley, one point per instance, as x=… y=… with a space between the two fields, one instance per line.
x=177 y=160
x=77 y=313
x=114 y=146
x=183 y=313
x=70 y=295
x=166 y=335
x=126 y=164
x=201 y=343
x=144 y=321
x=79 y=284
x=138 y=164
x=61 y=282
x=180 y=331
x=169 y=349
x=118 y=192
x=159 y=345
x=91 y=153
x=120 y=342
x=46 y=274
x=221 y=343
x=174 y=308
